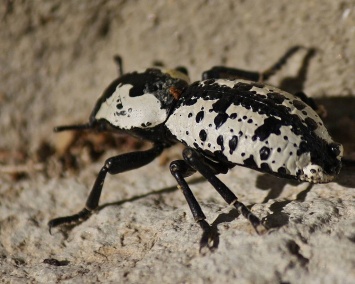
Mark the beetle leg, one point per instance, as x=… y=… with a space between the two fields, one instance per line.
x=113 y=165
x=265 y=75
x=180 y=169
x=197 y=162
x=221 y=72
x=309 y=101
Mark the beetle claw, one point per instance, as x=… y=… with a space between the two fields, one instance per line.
x=260 y=229
x=210 y=237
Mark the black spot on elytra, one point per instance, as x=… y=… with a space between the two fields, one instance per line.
x=276 y=97
x=221 y=105
x=265 y=167
x=189 y=115
x=233 y=116
x=122 y=112
x=203 y=135
x=143 y=125
x=233 y=143
x=281 y=171
x=220 y=119
x=220 y=142
x=271 y=126
x=311 y=123
x=299 y=104
x=199 y=116
x=264 y=153
x=242 y=86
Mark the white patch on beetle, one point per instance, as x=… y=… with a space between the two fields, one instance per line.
x=126 y=112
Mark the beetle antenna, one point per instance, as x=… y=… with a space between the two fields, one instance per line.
x=72 y=127
x=118 y=61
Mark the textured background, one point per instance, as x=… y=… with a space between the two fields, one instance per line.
x=55 y=60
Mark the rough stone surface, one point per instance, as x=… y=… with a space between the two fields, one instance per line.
x=56 y=58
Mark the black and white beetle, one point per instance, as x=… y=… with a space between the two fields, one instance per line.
x=229 y=118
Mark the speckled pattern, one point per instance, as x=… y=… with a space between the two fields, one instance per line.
x=258 y=126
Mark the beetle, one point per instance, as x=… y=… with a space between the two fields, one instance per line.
x=229 y=118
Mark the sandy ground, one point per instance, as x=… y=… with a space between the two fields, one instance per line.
x=56 y=59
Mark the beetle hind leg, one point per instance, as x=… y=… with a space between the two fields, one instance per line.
x=197 y=162
x=221 y=72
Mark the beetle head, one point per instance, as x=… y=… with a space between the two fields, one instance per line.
x=140 y=100
x=321 y=164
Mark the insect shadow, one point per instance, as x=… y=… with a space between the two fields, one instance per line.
x=275 y=186
x=296 y=83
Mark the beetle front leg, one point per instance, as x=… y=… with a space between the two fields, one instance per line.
x=196 y=161
x=112 y=166
x=180 y=169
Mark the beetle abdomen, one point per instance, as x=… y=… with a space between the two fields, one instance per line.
x=254 y=125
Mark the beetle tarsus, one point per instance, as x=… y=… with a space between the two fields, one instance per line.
x=72 y=220
x=210 y=237
x=255 y=221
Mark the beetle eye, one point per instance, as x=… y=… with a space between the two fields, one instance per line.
x=335 y=149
